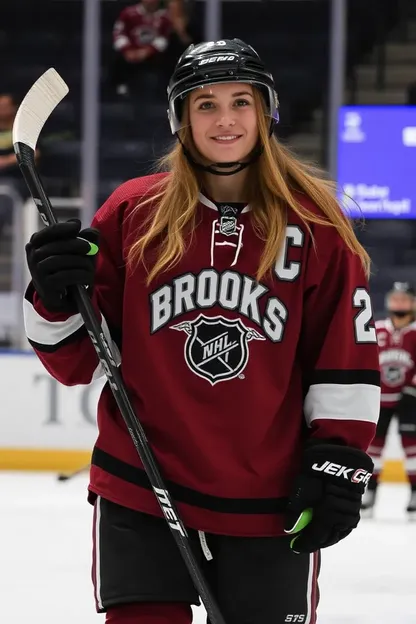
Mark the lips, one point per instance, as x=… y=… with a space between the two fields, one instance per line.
x=226 y=139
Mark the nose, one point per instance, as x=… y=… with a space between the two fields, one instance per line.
x=225 y=121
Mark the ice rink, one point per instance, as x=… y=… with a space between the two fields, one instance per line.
x=45 y=559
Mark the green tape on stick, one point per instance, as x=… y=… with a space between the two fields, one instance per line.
x=301 y=523
x=304 y=519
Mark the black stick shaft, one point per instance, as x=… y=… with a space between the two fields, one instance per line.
x=25 y=156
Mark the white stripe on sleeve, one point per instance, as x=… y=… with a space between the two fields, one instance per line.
x=378 y=463
x=342 y=402
x=46 y=332
x=49 y=333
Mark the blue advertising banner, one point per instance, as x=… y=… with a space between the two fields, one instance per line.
x=377 y=161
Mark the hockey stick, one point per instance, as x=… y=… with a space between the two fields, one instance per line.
x=62 y=476
x=32 y=115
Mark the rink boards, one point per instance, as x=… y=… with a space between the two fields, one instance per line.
x=46 y=426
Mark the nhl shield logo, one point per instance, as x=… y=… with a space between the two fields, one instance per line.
x=394 y=375
x=228 y=225
x=228 y=221
x=216 y=348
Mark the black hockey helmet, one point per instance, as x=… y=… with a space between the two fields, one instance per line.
x=228 y=60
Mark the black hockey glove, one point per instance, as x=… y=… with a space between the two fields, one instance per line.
x=325 y=503
x=61 y=256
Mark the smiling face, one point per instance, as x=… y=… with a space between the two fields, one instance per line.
x=223 y=121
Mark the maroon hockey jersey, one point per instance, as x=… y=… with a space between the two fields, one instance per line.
x=228 y=376
x=136 y=28
x=397 y=360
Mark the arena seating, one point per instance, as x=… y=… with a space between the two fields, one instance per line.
x=293 y=38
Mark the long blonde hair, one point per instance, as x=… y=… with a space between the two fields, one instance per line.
x=275 y=180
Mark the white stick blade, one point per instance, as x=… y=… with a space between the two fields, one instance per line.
x=37 y=106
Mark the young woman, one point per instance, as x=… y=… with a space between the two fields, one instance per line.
x=397 y=344
x=235 y=294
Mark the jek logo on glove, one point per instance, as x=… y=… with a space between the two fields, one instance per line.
x=337 y=470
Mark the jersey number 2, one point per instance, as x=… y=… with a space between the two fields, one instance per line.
x=364 y=333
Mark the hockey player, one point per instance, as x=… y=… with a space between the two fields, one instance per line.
x=397 y=343
x=140 y=39
x=235 y=294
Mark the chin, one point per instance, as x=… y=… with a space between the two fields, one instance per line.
x=223 y=156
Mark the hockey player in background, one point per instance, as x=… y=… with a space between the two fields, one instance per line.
x=396 y=337
x=140 y=38
x=235 y=294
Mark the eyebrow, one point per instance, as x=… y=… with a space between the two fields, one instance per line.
x=209 y=96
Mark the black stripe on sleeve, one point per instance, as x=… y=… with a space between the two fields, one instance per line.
x=48 y=348
x=347 y=377
x=115 y=333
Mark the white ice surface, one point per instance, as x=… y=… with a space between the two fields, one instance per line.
x=45 y=545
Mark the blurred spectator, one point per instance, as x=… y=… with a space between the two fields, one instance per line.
x=140 y=37
x=180 y=21
x=9 y=169
x=8 y=162
x=182 y=34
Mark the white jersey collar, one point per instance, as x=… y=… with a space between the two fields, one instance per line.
x=209 y=204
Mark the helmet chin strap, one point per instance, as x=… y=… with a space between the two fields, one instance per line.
x=217 y=168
